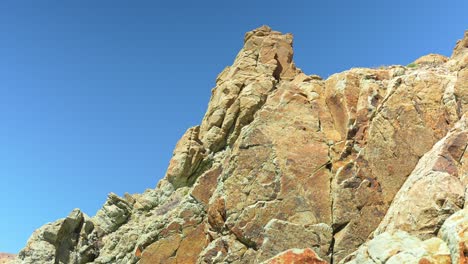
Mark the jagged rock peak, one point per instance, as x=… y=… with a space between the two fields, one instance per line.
x=368 y=166
x=269 y=47
x=459 y=59
x=241 y=89
x=260 y=31
x=461 y=46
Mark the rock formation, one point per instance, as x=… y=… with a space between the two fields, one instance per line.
x=6 y=258
x=367 y=166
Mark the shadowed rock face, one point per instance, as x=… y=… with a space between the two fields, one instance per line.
x=286 y=166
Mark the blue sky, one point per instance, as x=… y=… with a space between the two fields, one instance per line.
x=95 y=94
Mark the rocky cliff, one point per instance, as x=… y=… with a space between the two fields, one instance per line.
x=367 y=166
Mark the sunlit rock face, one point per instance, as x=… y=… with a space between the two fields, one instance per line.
x=367 y=166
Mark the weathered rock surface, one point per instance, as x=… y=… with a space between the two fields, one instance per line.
x=283 y=161
x=400 y=247
x=432 y=59
x=455 y=232
x=435 y=189
x=6 y=258
x=296 y=256
x=396 y=246
x=70 y=240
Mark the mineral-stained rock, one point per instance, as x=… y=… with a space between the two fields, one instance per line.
x=386 y=125
x=284 y=161
x=289 y=179
x=187 y=157
x=434 y=190
x=206 y=185
x=296 y=256
x=455 y=232
x=162 y=252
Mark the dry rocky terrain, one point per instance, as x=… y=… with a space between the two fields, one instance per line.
x=367 y=166
x=6 y=258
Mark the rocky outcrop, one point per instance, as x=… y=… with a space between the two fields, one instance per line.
x=400 y=247
x=431 y=59
x=427 y=221
x=70 y=240
x=392 y=247
x=296 y=256
x=455 y=233
x=434 y=191
x=286 y=167
x=6 y=258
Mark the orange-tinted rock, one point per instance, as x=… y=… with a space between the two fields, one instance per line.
x=392 y=125
x=217 y=214
x=173 y=227
x=177 y=248
x=162 y=251
x=205 y=185
x=191 y=246
x=433 y=191
x=296 y=256
x=289 y=179
x=431 y=59
x=138 y=252
x=187 y=157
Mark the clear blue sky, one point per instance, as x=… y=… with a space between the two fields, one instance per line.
x=95 y=94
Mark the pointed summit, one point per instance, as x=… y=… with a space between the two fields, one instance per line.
x=459 y=59
x=241 y=90
x=271 y=48
x=260 y=31
x=462 y=46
